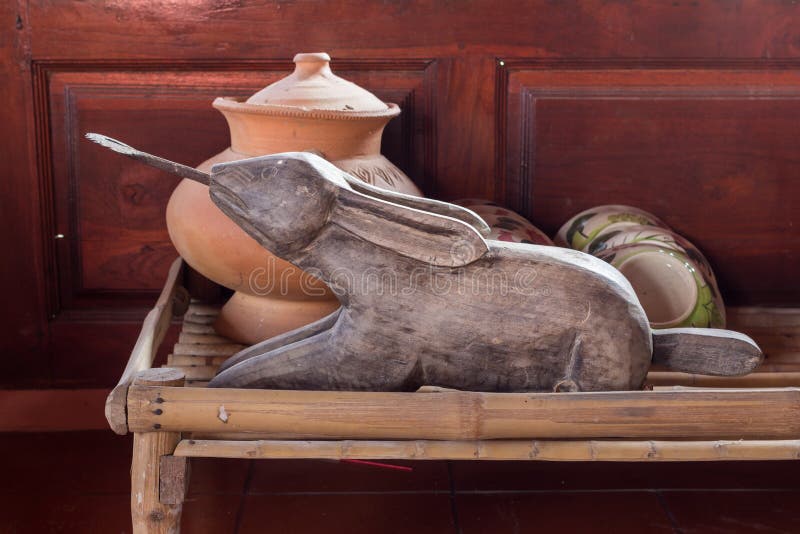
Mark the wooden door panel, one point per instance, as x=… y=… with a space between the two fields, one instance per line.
x=711 y=151
x=115 y=249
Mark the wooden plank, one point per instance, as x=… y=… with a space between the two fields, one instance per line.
x=707 y=414
x=52 y=410
x=153 y=330
x=543 y=450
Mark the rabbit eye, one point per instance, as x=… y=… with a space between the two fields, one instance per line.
x=269 y=172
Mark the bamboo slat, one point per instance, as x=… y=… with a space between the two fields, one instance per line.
x=195 y=349
x=666 y=414
x=753 y=380
x=194 y=328
x=205 y=339
x=544 y=450
x=188 y=359
x=197 y=308
x=197 y=372
x=195 y=318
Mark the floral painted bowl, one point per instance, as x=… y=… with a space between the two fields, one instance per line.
x=651 y=235
x=509 y=229
x=670 y=284
x=506 y=225
x=468 y=202
x=584 y=227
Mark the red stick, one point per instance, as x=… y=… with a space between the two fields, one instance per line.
x=378 y=464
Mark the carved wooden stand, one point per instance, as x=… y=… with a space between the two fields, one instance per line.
x=684 y=418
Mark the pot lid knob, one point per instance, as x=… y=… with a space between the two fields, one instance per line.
x=313 y=85
x=310 y=63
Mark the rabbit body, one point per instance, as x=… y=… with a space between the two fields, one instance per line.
x=505 y=317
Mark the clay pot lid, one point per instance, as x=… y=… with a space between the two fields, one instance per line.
x=312 y=90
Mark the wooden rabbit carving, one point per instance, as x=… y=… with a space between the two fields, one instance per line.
x=426 y=300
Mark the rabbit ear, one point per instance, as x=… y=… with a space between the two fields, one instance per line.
x=424 y=204
x=421 y=235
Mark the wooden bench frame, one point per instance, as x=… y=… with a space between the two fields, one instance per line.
x=749 y=418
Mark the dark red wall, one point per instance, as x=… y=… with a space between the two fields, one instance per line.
x=687 y=109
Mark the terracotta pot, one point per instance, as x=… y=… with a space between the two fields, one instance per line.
x=250 y=319
x=310 y=109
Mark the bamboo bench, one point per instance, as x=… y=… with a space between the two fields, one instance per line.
x=682 y=418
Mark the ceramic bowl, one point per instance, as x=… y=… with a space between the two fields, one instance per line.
x=670 y=285
x=506 y=225
x=651 y=235
x=508 y=229
x=499 y=211
x=467 y=202
x=584 y=227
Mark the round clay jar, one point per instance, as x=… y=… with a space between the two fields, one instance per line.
x=312 y=109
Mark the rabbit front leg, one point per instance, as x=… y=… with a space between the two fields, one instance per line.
x=321 y=362
x=287 y=338
x=286 y=367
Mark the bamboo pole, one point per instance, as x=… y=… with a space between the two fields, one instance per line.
x=148 y=514
x=544 y=450
x=753 y=380
x=670 y=414
x=153 y=331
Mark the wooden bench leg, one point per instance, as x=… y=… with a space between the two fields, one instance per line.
x=149 y=513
